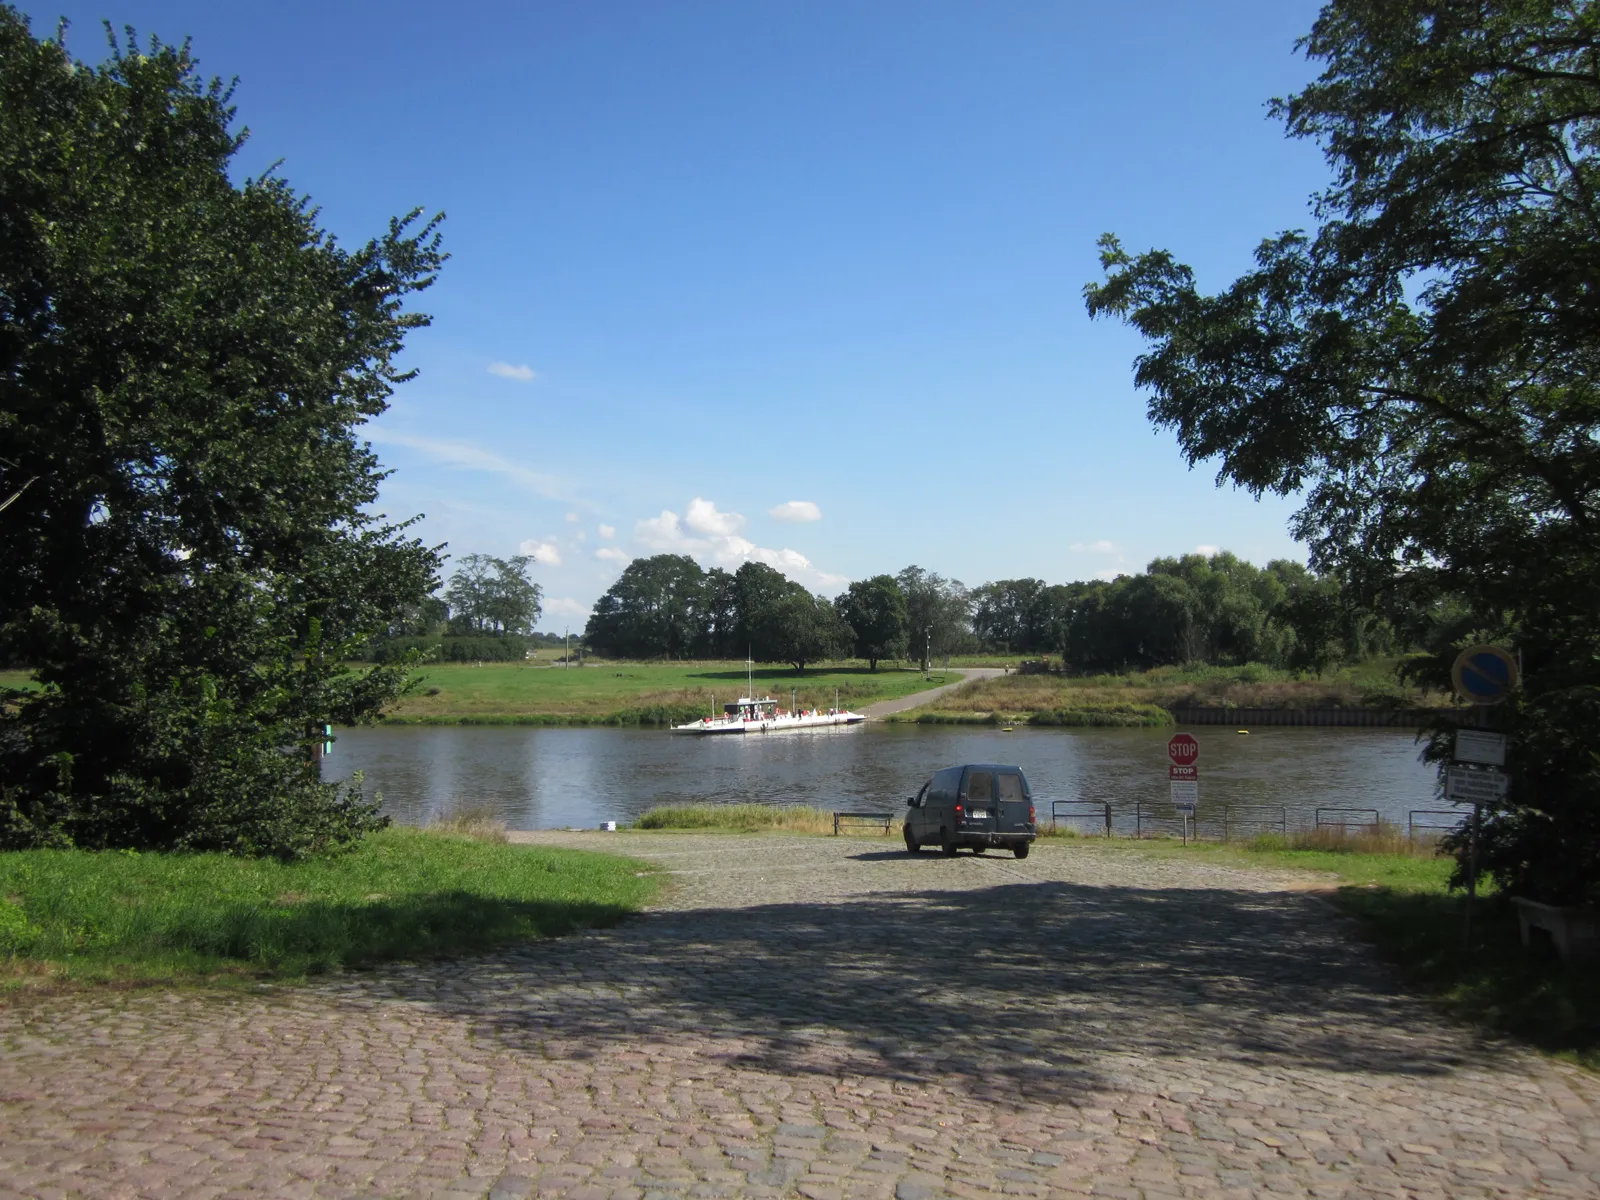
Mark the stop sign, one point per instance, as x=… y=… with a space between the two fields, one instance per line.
x=1183 y=750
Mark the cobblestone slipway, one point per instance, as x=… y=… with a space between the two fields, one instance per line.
x=824 y=1018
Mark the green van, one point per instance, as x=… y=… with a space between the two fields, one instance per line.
x=978 y=806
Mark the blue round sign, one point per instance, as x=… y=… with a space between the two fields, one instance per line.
x=1484 y=674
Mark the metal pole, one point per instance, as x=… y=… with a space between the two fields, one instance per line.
x=1108 y=820
x=1472 y=876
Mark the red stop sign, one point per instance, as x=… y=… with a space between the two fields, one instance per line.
x=1183 y=749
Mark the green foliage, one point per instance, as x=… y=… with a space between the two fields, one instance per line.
x=185 y=365
x=875 y=610
x=1422 y=368
x=402 y=894
x=491 y=596
x=938 y=615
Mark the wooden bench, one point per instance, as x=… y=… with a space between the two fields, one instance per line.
x=1575 y=931
x=862 y=818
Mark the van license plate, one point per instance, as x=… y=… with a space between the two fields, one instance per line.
x=979 y=814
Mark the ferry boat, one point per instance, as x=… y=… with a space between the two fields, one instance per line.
x=749 y=715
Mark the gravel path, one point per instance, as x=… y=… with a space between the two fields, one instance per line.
x=824 y=1018
x=917 y=699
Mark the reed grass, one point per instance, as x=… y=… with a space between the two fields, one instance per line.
x=473 y=821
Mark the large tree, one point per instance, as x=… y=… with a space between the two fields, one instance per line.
x=875 y=610
x=1423 y=367
x=657 y=609
x=493 y=596
x=185 y=366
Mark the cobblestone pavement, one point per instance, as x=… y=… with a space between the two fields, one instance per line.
x=824 y=1018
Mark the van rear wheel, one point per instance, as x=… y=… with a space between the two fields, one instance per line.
x=948 y=844
x=1020 y=849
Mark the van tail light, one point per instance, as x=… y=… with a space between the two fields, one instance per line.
x=1032 y=817
x=958 y=812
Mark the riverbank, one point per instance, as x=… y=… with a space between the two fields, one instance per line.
x=81 y=917
x=1150 y=698
x=606 y=693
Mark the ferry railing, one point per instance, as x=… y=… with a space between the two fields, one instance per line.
x=1334 y=818
x=1097 y=812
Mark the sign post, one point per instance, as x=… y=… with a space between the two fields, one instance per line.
x=1484 y=676
x=1183 y=777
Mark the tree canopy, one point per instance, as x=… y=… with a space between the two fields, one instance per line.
x=493 y=597
x=185 y=365
x=1423 y=365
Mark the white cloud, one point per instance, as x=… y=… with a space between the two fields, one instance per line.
x=521 y=372
x=472 y=458
x=720 y=546
x=564 y=606
x=704 y=518
x=1100 y=547
x=608 y=531
x=610 y=554
x=545 y=553
x=1208 y=551
x=796 y=510
x=1108 y=576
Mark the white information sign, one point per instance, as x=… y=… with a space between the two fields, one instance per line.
x=1185 y=794
x=1478 y=746
x=1474 y=787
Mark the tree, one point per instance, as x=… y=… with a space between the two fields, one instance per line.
x=938 y=613
x=875 y=610
x=185 y=365
x=657 y=609
x=798 y=628
x=493 y=597
x=1423 y=367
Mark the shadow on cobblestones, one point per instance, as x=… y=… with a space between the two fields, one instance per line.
x=1021 y=991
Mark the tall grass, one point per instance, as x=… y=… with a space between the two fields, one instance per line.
x=403 y=893
x=743 y=818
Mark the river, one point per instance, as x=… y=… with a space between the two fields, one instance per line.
x=543 y=778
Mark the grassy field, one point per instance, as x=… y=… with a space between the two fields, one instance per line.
x=632 y=693
x=1141 y=697
x=119 y=917
x=17 y=679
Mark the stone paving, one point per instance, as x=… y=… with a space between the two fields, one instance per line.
x=823 y=1018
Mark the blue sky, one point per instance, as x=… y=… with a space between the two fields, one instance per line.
x=798 y=281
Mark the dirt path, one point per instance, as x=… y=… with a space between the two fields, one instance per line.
x=817 y=1017
x=916 y=700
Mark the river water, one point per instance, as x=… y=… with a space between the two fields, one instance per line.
x=543 y=778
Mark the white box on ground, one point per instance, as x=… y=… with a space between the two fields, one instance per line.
x=1480 y=746
x=1474 y=787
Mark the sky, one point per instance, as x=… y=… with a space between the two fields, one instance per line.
x=797 y=281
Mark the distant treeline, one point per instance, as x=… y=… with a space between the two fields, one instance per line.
x=1217 y=609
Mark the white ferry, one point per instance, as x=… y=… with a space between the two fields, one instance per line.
x=748 y=715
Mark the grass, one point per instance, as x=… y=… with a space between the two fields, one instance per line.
x=75 y=916
x=1401 y=896
x=743 y=818
x=19 y=680
x=1143 y=697
x=633 y=693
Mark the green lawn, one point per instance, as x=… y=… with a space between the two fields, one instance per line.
x=631 y=692
x=81 y=916
x=17 y=679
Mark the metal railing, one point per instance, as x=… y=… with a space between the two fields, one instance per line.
x=1229 y=821
x=1412 y=824
x=1098 y=812
x=1335 y=818
x=1153 y=815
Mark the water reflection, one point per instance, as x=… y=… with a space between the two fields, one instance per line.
x=537 y=778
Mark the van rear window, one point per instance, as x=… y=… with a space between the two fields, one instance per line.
x=980 y=786
x=1011 y=787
